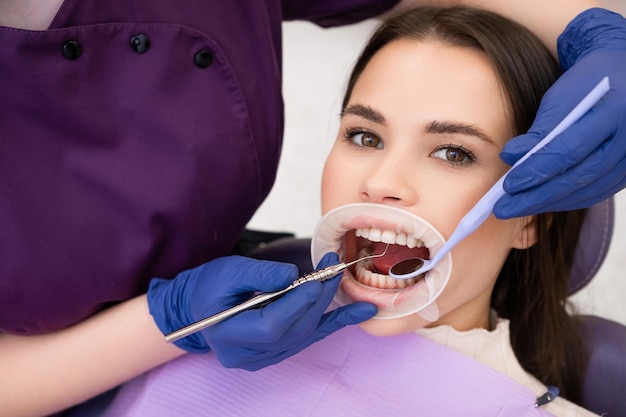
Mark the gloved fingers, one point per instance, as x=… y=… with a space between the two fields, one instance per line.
x=309 y=319
x=592 y=30
x=596 y=192
x=330 y=258
x=308 y=322
x=330 y=323
x=269 y=276
x=318 y=297
x=226 y=282
x=330 y=286
x=584 y=141
x=238 y=274
x=291 y=319
x=560 y=195
x=304 y=301
x=343 y=316
x=268 y=334
x=267 y=324
x=525 y=203
x=258 y=338
x=285 y=323
x=517 y=147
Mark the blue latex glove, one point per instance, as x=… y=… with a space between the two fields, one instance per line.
x=587 y=163
x=252 y=339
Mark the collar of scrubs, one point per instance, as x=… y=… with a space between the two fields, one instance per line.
x=350 y=373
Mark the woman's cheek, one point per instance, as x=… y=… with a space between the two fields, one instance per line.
x=342 y=178
x=332 y=179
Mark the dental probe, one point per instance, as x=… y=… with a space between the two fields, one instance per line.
x=320 y=275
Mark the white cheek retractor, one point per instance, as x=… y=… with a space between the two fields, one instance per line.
x=392 y=303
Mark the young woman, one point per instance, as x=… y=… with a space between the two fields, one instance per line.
x=432 y=100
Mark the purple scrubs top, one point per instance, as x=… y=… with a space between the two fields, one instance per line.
x=137 y=138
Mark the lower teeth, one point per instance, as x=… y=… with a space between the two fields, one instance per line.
x=374 y=279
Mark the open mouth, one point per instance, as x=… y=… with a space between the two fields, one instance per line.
x=362 y=229
x=375 y=272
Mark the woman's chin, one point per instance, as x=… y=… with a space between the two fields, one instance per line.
x=394 y=327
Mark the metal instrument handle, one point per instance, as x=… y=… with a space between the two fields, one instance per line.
x=257 y=301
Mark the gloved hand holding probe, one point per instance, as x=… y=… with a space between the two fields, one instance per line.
x=256 y=338
x=587 y=163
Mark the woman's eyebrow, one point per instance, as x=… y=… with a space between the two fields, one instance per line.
x=457 y=128
x=366 y=112
x=437 y=126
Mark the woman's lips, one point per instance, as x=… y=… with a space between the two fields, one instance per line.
x=383 y=224
x=384 y=298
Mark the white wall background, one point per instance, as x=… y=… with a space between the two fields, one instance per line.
x=316 y=67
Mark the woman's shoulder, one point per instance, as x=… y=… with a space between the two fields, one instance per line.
x=563 y=408
x=493 y=348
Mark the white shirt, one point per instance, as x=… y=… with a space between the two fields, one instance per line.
x=493 y=348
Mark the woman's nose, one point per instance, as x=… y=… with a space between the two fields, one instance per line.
x=391 y=182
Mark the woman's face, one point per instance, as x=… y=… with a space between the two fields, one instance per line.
x=422 y=132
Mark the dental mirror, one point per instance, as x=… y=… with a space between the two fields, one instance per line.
x=413 y=267
x=406 y=266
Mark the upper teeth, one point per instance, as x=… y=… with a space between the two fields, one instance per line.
x=389 y=236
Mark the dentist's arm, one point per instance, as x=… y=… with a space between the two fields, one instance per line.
x=43 y=374
x=546 y=18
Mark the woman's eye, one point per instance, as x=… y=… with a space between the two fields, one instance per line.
x=454 y=154
x=366 y=140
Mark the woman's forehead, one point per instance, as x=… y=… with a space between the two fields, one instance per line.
x=407 y=78
x=416 y=64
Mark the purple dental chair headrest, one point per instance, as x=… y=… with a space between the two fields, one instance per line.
x=593 y=244
x=604 y=389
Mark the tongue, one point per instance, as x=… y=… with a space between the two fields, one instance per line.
x=394 y=254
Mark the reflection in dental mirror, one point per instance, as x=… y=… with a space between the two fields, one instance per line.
x=406 y=266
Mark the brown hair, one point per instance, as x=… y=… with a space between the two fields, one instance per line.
x=531 y=290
